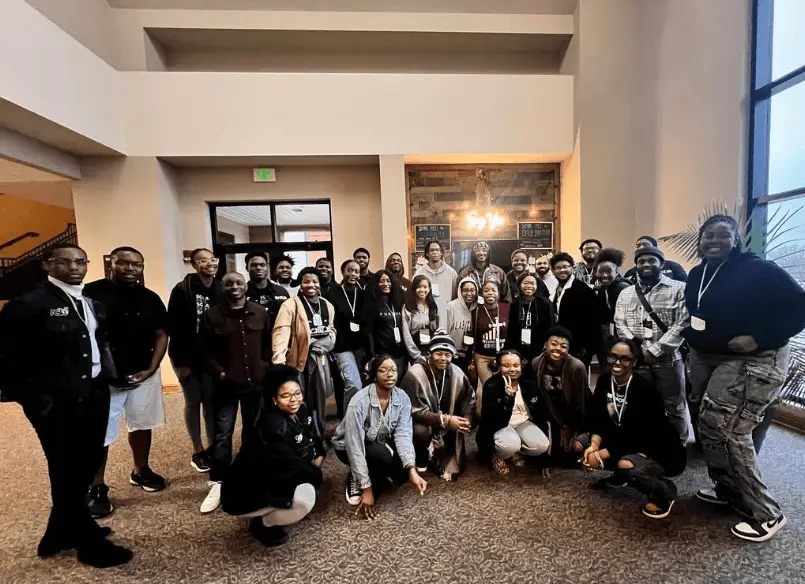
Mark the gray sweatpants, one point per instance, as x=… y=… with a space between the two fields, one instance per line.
x=734 y=400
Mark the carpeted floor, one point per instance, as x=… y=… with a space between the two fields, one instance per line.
x=484 y=528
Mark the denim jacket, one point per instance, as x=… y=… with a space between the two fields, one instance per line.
x=363 y=423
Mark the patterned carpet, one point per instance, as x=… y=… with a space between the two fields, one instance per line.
x=521 y=528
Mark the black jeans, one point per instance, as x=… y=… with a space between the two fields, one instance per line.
x=383 y=464
x=71 y=432
x=225 y=403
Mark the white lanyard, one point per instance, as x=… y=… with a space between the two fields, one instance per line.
x=393 y=313
x=702 y=291
x=495 y=327
x=478 y=278
x=615 y=400
x=313 y=312
x=439 y=392
x=384 y=416
x=353 y=303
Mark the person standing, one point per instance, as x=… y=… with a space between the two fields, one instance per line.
x=530 y=319
x=420 y=318
x=347 y=301
x=137 y=334
x=519 y=263
x=260 y=289
x=653 y=313
x=304 y=335
x=482 y=270
x=55 y=363
x=489 y=331
x=362 y=256
x=190 y=299
x=670 y=268
x=324 y=268
x=585 y=271
x=235 y=347
x=283 y=273
x=395 y=265
x=744 y=310
x=576 y=309
x=543 y=269
x=460 y=322
x=610 y=286
x=382 y=320
x=443 y=278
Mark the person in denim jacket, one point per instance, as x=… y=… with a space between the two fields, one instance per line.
x=375 y=439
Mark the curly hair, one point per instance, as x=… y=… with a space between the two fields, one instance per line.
x=611 y=255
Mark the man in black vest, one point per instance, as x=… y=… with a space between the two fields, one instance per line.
x=55 y=363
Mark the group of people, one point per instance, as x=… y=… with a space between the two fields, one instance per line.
x=416 y=366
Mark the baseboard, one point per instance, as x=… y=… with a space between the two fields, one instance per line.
x=791 y=418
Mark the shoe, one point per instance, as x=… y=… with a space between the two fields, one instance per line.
x=658 y=510
x=50 y=544
x=200 y=461
x=422 y=469
x=710 y=496
x=351 y=491
x=213 y=499
x=103 y=553
x=147 y=480
x=99 y=504
x=610 y=482
x=268 y=536
x=518 y=460
x=755 y=531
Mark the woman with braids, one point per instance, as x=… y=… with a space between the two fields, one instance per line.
x=610 y=286
x=744 y=310
x=382 y=317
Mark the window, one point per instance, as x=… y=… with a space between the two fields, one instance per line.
x=777 y=152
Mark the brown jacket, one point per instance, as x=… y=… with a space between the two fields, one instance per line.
x=291 y=336
x=237 y=346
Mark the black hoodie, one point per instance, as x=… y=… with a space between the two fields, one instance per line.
x=749 y=296
x=190 y=299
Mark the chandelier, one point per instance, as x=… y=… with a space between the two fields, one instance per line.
x=483 y=217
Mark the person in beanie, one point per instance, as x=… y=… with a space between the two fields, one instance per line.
x=482 y=270
x=442 y=402
x=670 y=268
x=653 y=313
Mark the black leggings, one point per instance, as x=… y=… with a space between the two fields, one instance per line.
x=383 y=464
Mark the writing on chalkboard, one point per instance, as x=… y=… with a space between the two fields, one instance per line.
x=536 y=234
x=432 y=232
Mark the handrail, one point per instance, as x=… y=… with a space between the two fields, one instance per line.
x=66 y=236
x=11 y=242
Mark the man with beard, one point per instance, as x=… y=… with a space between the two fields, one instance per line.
x=283 y=273
x=543 y=268
x=653 y=313
x=519 y=267
x=395 y=265
x=481 y=270
x=362 y=256
x=670 y=268
x=260 y=289
x=324 y=267
x=576 y=308
x=442 y=401
x=585 y=271
x=443 y=278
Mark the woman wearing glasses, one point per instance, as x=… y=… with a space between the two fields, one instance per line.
x=630 y=434
x=275 y=475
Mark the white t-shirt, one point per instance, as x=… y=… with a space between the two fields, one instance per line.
x=520 y=411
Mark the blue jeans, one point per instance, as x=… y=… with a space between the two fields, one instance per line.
x=349 y=367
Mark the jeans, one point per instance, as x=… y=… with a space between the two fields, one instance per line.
x=225 y=406
x=670 y=383
x=735 y=401
x=349 y=367
x=383 y=462
x=526 y=438
x=197 y=390
x=304 y=497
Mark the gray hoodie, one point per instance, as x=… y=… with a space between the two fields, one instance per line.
x=459 y=318
x=443 y=279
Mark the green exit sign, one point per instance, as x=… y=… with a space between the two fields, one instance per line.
x=265 y=175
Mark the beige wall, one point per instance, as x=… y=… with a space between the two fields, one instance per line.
x=570 y=199
x=354 y=193
x=21 y=215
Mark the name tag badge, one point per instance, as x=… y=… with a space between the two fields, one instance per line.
x=697 y=324
x=354 y=327
x=434 y=289
x=397 y=336
x=525 y=336
x=648 y=333
x=317 y=320
x=468 y=340
x=424 y=337
x=480 y=300
x=612 y=329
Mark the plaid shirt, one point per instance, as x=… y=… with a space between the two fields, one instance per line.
x=667 y=298
x=581 y=272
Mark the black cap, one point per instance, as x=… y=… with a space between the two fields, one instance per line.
x=655 y=251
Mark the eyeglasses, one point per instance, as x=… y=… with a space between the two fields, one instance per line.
x=612 y=358
x=209 y=262
x=386 y=371
x=80 y=262
x=290 y=396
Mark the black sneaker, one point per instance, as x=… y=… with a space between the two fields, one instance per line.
x=268 y=536
x=147 y=480
x=657 y=510
x=710 y=496
x=99 y=504
x=351 y=491
x=201 y=462
x=756 y=531
x=610 y=482
x=102 y=553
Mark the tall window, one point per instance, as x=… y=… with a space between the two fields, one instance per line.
x=777 y=150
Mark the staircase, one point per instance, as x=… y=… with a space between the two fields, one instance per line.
x=22 y=274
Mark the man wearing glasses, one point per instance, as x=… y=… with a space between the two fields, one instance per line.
x=585 y=270
x=137 y=323
x=55 y=363
x=189 y=301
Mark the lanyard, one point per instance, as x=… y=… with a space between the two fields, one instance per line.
x=702 y=291
x=494 y=327
x=615 y=400
x=317 y=313
x=525 y=316
x=384 y=416
x=84 y=318
x=478 y=278
x=353 y=303
x=393 y=313
x=439 y=392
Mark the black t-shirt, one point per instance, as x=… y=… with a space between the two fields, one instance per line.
x=317 y=318
x=348 y=307
x=134 y=315
x=270 y=297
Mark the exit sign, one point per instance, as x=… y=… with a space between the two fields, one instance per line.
x=265 y=175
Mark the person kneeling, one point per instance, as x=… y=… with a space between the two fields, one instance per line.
x=275 y=475
x=511 y=407
x=442 y=401
x=375 y=439
x=631 y=435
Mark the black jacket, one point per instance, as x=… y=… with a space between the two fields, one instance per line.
x=644 y=428
x=749 y=296
x=542 y=320
x=496 y=410
x=514 y=289
x=579 y=313
x=273 y=463
x=45 y=348
x=377 y=327
x=608 y=299
x=188 y=302
x=345 y=338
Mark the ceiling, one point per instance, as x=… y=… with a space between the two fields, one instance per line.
x=14 y=172
x=287 y=215
x=433 y=6
x=269 y=161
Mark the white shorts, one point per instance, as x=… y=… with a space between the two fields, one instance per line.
x=143 y=406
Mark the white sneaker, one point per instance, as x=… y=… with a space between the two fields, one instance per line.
x=213 y=499
x=755 y=531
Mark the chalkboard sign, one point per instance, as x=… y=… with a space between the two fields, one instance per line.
x=535 y=235
x=425 y=233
